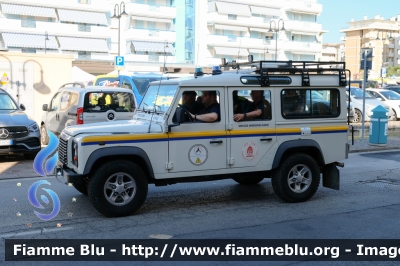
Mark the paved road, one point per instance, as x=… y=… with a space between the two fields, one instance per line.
x=224 y=209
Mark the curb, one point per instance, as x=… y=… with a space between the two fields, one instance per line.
x=377 y=149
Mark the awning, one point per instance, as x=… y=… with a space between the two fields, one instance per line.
x=304 y=33
x=163 y=20
x=304 y=53
x=231 y=51
x=156 y=47
x=22 y=40
x=83 y=44
x=227 y=27
x=35 y=11
x=230 y=8
x=265 y=11
x=260 y=30
x=82 y=17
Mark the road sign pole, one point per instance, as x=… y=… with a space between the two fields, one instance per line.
x=364 y=90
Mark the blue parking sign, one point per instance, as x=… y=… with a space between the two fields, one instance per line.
x=119 y=63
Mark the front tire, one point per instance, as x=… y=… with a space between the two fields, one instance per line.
x=357 y=117
x=44 y=138
x=297 y=179
x=394 y=117
x=118 y=188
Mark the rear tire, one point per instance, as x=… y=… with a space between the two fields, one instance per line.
x=394 y=117
x=249 y=180
x=44 y=138
x=118 y=188
x=357 y=116
x=297 y=179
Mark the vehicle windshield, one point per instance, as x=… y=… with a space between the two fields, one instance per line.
x=358 y=93
x=160 y=102
x=142 y=83
x=6 y=103
x=391 y=95
x=105 y=101
x=107 y=82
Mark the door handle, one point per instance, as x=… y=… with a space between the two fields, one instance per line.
x=268 y=139
x=216 y=141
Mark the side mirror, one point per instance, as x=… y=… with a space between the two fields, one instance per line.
x=44 y=107
x=22 y=107
x=180 y=115
x=379 y=98
x=180 y=118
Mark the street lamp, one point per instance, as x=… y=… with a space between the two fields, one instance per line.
x=266 y=52
x=46 y=35
x=118 y=15
x=276 y=30
x=165 y=55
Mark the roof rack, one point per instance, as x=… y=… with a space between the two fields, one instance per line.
x=303 y=68
x=73 y=84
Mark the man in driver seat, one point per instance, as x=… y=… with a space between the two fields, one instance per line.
x=190 y=103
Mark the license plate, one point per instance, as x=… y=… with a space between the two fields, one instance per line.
x=5 y=142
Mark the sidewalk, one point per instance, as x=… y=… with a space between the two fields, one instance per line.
x=15 y=166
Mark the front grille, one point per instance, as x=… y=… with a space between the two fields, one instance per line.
x=31 y=142
x=62 y=151
x=16 y=132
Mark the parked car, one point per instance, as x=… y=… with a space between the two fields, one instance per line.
x=18 y=132
x=393 y=88
x=356 y=98
x=390 y=98
x=75 y=104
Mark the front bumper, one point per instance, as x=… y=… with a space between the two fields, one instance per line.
x=69 y=175
x=29 y=144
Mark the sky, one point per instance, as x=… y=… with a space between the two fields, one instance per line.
x=336 y=13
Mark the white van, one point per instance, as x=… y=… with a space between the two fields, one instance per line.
x=76 y=104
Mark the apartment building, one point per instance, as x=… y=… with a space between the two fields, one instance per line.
x=332 y=52
x=285 y=30
x=376 y=33
x=153 y=34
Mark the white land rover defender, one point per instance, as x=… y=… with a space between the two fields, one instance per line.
x=299 y=133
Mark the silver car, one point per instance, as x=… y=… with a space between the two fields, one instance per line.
x=18 y=132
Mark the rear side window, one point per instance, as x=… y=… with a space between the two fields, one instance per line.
x=105 y=101
x=67 y=100
x=310 y=103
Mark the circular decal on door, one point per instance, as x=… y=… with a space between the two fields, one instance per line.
x=198 y=154
x=110 y=115
x=249 y=151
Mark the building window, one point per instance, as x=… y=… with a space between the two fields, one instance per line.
x=29 y=50
x=84 y=27
x=28 y=23
x=84 y=55
x=232 y=17
x=154 y=58
x=84 y=2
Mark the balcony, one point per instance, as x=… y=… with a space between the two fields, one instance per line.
x=303 y=47
x=158 y=58
x=256 y=22
x=53 y=28
x=303 y=26
x=269 y=3
x=150 y=35
x=151 y=11
x=390 y=55
x=303 y=7
x=243 y=42
x=391 y=46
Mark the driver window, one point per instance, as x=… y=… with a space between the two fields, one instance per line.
x=55 y=102
x=198 y=102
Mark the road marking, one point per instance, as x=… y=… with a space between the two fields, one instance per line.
x=42 y=231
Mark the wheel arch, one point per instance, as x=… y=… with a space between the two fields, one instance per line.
x=308 y=146
x=133 y=154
